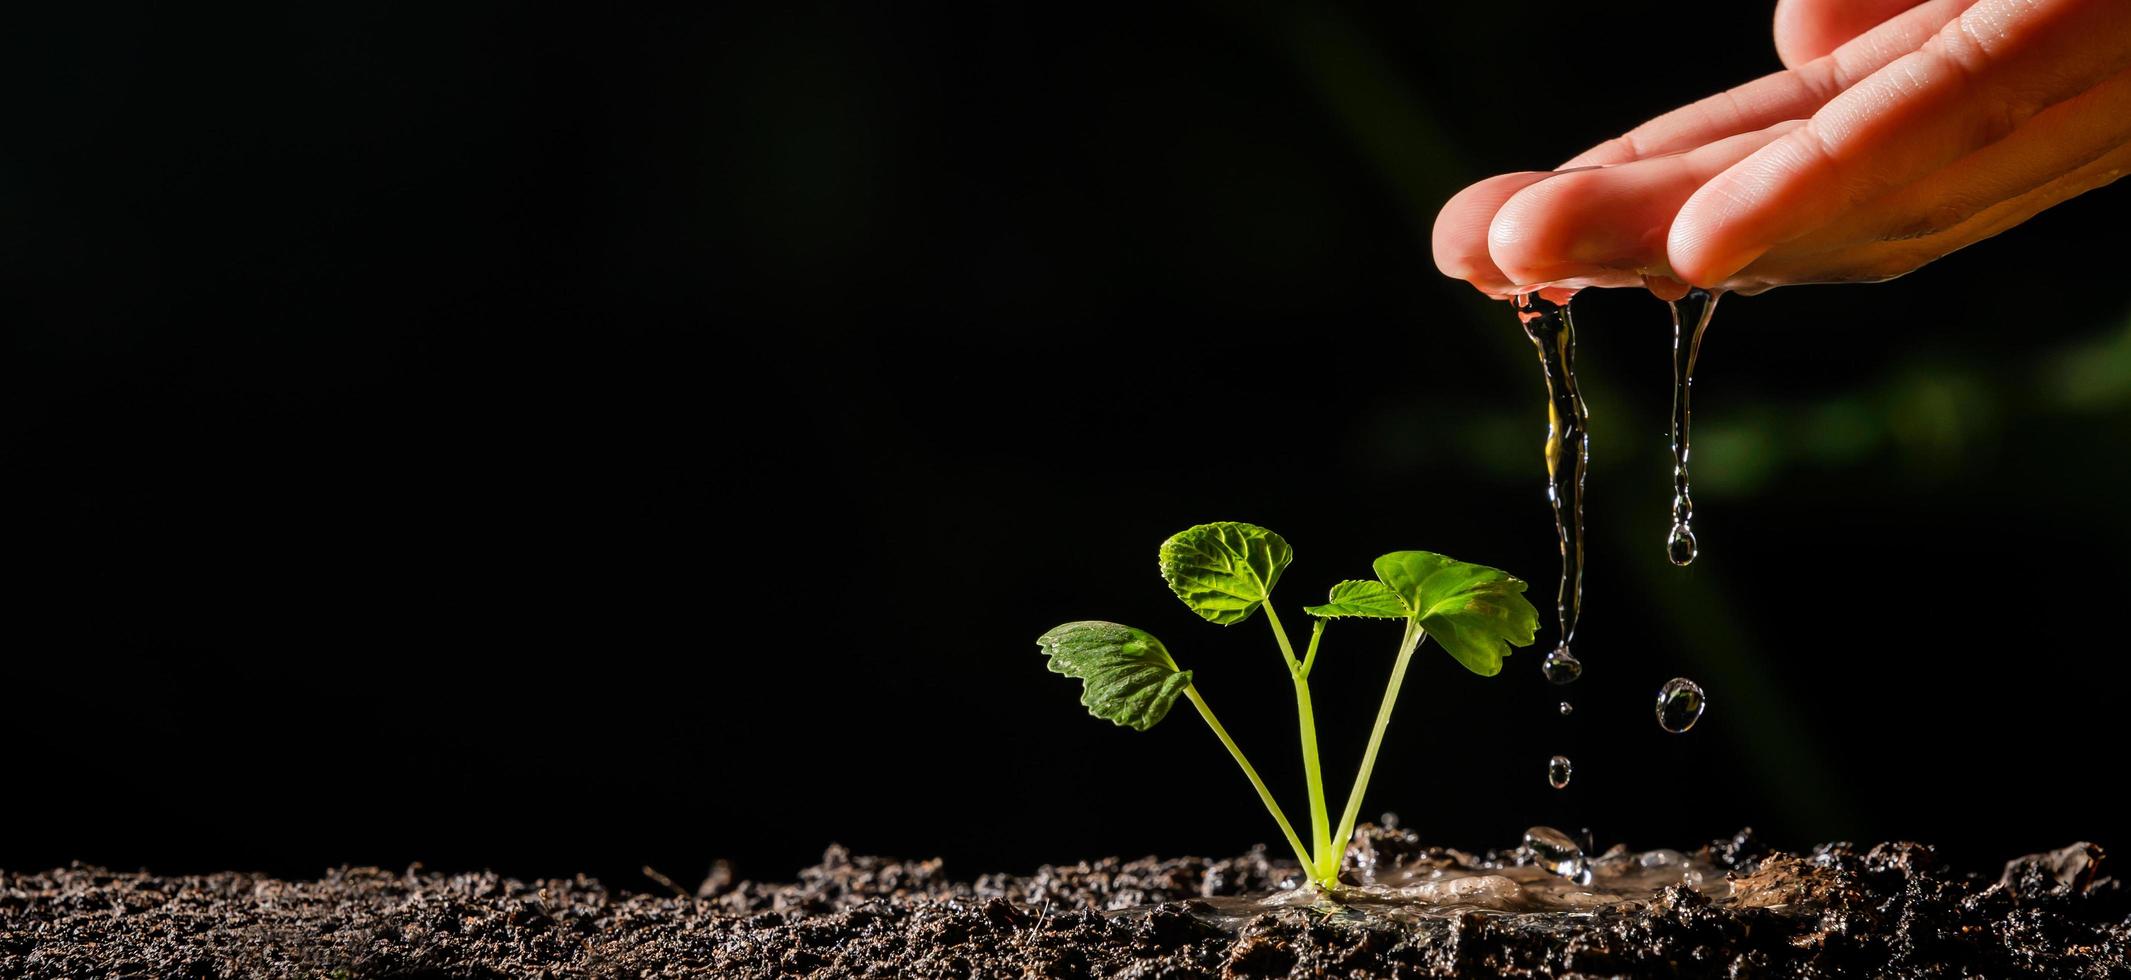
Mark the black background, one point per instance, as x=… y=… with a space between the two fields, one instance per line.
x=573 y=441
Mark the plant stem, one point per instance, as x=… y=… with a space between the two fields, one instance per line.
x=1280 y=635
x=1306 y=720
x=1407 y=644
x=1309 y=657
x=1272 y=806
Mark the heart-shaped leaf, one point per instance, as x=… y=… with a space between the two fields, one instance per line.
x=1126 y=675
x=1477 y=613
x=1224 y=571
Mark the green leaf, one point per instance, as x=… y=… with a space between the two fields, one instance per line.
x=1477 y=613
x=1225 y=570
x=1126 y=675
x=1371 y=600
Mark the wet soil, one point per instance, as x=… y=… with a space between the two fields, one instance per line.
x=1838 y=911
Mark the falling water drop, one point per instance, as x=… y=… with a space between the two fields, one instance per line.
x=1694 y=308
x=1561 y=666
x=1680 y=546
x=1558 y=771
x=1567 y=709
x=1557 y=852
x=1679 y=705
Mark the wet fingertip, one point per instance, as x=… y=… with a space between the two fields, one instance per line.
x=1534 y=237
x=1709 y=268
x=1700 y=254
x=1665 y=287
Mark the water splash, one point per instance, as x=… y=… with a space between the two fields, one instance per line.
x=1557 y=852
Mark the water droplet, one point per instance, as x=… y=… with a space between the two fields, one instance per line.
x=1680 y=546
x=1555 y=851
x=1561 y=666
x=1663 y=857
x=1558 y=771
x=1567 y=709
x=1679 y=705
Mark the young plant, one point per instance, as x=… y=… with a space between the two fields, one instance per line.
x=1225 y=572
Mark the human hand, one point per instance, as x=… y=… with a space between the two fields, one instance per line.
x=1941 y=124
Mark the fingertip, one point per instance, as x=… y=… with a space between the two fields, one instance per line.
x=1799 y=32
x=1701 y=252
x=1806 y=30
x=1749 y=207
x=1587 y=224
x=1459 y=238
x=1525 y=237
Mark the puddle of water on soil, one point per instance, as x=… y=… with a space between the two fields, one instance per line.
x=1547 y=882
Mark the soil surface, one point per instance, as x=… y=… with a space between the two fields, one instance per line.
x=1838 y=911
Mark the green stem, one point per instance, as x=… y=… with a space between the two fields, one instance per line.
x=1306 y=720
x=1309 y=657
x=1320 y=823
x=1264 y=794
x=1407 y=644
x=1280 y=634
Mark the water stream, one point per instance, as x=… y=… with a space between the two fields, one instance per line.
x=1552 y=330
x=1695 y=308
x=1568 y=442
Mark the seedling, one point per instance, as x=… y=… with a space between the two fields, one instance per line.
x=1225 y=572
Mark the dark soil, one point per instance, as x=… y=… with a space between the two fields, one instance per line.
x=1886 y=911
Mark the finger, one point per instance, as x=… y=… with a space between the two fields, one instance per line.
x=1585 y=224
x=1881 y=260
x=1460 y=237
x=2060 y=139
x=1793 y=94
x=1809 y=29
x=1972 y=84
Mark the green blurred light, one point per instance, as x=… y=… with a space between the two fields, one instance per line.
x=1838 y=432
x=1505 y=447
x=1733 y=459
x=1938 y=415
x=2092 y=376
